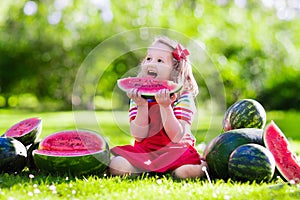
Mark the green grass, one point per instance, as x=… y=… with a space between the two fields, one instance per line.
x=114 y=126
x=149 y=187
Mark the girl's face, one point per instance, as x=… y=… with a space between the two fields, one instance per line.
x=158 y=63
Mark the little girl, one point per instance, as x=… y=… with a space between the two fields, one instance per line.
x=161 y=126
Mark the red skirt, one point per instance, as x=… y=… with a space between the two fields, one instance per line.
x=164 y=159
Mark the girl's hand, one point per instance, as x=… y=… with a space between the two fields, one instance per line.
x=164 y=99
x=136 y=96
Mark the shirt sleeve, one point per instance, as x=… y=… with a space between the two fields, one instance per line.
x=188 y=138
x=184 y=108
x=132 y=110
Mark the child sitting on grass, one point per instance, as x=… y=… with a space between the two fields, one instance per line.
x=161 y=127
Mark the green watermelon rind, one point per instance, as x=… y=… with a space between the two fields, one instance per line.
x=251 y=162
x=30 y=136
x=92 y=163
x=242 y=115
x=30 y=162
x=77 y=162
x=217 y=152
x=286 y=161
x=164 y=84
x=13 y=155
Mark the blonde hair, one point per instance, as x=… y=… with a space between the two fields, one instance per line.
x=182 y=71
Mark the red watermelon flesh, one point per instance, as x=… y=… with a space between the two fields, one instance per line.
x=26 y=131
x=72 y=143
x=23 y=127
x=286 y=160
x=147 y=86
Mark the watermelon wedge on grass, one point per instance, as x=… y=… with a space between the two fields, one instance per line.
x=72 y=151
x=286 y=161
x=26 y=131
x=147 y=86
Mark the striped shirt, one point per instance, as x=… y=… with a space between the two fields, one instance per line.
x=184 y=109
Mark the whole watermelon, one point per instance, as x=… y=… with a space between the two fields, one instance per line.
x=12 y=155
x=219 y=149
x=246 y=113
x=251 y=162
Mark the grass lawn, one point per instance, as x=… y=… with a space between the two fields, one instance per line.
x=114 y=126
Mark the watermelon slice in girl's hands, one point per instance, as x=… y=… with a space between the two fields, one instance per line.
x=148 y=86
x=285 y=159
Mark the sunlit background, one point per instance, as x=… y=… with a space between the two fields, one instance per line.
x=254 y=45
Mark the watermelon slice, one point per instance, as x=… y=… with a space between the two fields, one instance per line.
x=286 y=160
x=148 y=86
x=26 y=131
x=72 y=151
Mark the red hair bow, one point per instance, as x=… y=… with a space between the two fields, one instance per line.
x=180 y=53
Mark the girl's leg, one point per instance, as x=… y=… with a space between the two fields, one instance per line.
x=120 y=166
x=190 y=171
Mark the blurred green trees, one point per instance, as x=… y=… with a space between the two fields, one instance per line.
x=253 y=44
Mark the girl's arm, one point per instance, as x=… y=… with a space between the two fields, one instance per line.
x=139 y=127
x=174 y=128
